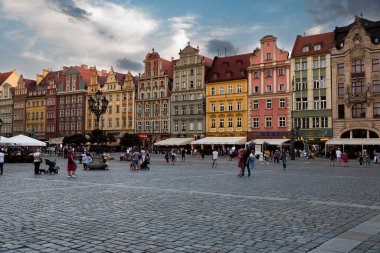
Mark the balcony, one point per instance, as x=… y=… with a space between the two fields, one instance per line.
x=358 y=75
x=358 y=98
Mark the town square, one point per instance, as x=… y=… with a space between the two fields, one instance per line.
x=191 y=207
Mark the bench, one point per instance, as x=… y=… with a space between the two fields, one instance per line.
x=97 y=164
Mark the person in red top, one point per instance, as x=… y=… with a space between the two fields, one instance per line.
x=71 y=165
x=240 y=161
x=345 y=159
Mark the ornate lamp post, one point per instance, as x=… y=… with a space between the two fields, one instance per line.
x=98 y=106
x=1 y=124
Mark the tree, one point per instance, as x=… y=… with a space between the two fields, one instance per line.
x=76 y=140
x=130 y=140
x=110 y=138
x=98 y=136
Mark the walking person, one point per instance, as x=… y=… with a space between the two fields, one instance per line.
x=214 y=158
x=183 y=154
x=240 y=161
x=338 y=156
x=136 y=157
x=167 y=156
x=244 y=161
x=332 y=157
x=71 y=165
x=345 y=159
x=37 y=159
x=1 y=161
x=360 y=158
x=284 y=160
x=251 y=162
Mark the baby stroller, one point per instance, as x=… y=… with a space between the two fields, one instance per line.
x=145 y=164
x=53 y=168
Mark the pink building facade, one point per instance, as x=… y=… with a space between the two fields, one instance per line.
x=269 y=92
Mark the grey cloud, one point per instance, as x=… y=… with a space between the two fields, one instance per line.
x=325 y=11
x=69 y=7
x=216 y=46
x=126 y=64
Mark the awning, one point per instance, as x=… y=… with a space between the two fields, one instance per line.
x=57 y=140
x=5 y=141
x=220 y=140
x=354 y=141
x=174 y=142
x=23 y=140
x=276 y=142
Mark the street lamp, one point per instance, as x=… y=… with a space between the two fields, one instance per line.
x=98 y=106
x=1 y=124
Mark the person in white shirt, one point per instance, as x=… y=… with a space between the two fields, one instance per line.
x=37 y=161
x=338 y=156
x=214 y=158
x=1 y=161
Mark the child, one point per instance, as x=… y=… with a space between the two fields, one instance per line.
x=86 y=160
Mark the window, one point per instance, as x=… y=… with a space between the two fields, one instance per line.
x=358 y=111
x=305 y=123
x=376 y=86
x=340 y=89
x=268 y=121
x=269 y=56
x=316 y=84
x=238 y=122
x=268 y=73
x=304 y=83
x=176 y=127
x=376 y=110
x=238 y=88
x=269 y=88
x=297 y=122
x=317 y=47
x=238 y=106
x=255 y=104
x=324 y=122
x=305 y=49
x=304 y=103
x=230 y=106
x=315 y=64
x=322 y=63
x=298 y=104
x=212 y=123
x=256 y=74
x=269 y=103
x=183 y=85
x=229 y=122
x=191 y=126
x=357 y=66
x=176 y=86
x=147 y=126
x=315 y=122
x=256 y=89
x=282 y=103
x=304 y=65
x=221 y=107
x=213 y=107
x=61 y=113
x=183 y=126
x=282 y=87
x=184 y=110
x=213 y=91
x=281 y=121
x=184 y=97
x=357 y=87
x=147 y=108
x=221 y=90
x=221 y=123
x=255 y=122
x=281 y=72
x=322 y=82
x=323 y=102
x=229 y=89
x=175 y=110
x=375 y=65
x=165 y=107
x=341 y=69
x=316 y=103
x=341 y=112
x=298 y=66
x=191 y=84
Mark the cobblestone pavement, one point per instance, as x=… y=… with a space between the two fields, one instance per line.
x=191 y=207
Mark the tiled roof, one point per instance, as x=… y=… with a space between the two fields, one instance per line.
x=323 y=39
x=4 y=76
x=229 y=68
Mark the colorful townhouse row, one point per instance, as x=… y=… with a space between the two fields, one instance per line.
x=329 y=87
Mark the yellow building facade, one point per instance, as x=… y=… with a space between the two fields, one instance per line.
x=226 y=109
x=35 y=112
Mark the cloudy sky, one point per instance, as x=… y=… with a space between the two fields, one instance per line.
x=49 y=34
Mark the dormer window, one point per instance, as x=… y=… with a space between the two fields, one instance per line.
x=269 y=56
x=305 y=49
x=228 y=74
x=376 y=40
x=215 y=76
x=317 y=47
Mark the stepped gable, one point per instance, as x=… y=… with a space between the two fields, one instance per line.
x=4 y=76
